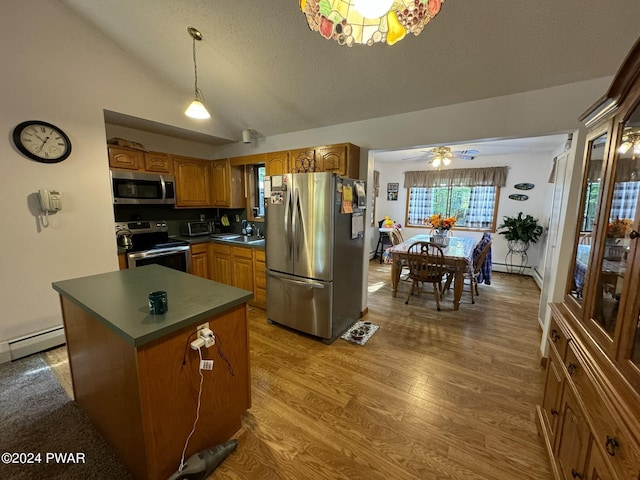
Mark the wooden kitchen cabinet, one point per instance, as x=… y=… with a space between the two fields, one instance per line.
x=242 y=268
x=122 y=261
x=158 y=162
x=259 y=279
x=122 y=158
x=227 y=184
x=220 y=258
x=597 y=325
x=276 y=163
x=193 y=182
x=125 y=158
x=343 y=159
x=200 y=260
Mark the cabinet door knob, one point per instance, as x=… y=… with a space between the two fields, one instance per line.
x=572 y=367
x=575 y=473
x=611 y=445
x=634 y=234
x=554 y=411
x=555 y=336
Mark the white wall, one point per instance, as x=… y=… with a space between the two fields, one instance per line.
x=58 y=69
x=529 y=168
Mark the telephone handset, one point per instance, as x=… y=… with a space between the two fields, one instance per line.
x=50 y=201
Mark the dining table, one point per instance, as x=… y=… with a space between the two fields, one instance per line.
x=458 y=255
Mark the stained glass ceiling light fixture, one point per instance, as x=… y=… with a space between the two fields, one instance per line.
x=369 y=21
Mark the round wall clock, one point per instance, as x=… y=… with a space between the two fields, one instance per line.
x=41 y=141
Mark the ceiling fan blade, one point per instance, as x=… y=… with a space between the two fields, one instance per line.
x=465 y=157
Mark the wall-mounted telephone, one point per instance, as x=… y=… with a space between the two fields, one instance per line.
x=50 y=201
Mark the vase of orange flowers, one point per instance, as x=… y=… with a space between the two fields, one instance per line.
x=440 y=226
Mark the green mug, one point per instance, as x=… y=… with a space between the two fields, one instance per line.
x=158 y=302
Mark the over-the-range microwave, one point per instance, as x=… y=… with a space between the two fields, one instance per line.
x=142 y=188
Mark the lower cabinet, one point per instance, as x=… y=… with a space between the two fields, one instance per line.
x=573 y=438
x=122 y=261
x=259 y=280
x=200 y=260
x=583 y=420
x=242 y=267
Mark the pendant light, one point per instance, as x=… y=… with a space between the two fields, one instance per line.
x=196 y=109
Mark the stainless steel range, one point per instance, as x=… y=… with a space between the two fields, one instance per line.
x=150 y=243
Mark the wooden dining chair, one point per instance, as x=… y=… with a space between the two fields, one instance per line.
x=474 y=271
x=396 y=238
x=426 y=265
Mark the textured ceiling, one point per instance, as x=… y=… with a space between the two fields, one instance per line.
x=260 y=66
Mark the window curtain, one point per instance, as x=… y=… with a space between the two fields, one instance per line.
x=480 y=212
x=457 y=177
x=420 y=207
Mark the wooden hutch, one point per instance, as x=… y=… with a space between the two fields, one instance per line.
x=590 y=413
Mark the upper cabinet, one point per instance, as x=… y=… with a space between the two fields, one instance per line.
x=126 y=158
x=227 y=182
x=277 y=163
x=343 y=159
x=138 y=160
x=193 y=182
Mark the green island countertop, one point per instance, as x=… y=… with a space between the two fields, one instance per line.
x=120 y=300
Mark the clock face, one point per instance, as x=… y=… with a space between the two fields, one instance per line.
x=41 y=141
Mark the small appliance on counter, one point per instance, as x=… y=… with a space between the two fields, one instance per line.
x=195 y=229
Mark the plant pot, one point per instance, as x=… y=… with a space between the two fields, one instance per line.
x=517 y=246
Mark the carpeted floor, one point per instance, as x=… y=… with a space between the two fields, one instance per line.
x=37 y=417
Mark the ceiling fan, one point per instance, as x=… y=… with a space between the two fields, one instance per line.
x=439 y=156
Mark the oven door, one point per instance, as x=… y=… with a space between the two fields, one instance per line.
x=178 y=258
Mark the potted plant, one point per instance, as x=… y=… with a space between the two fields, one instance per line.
x=520 y=231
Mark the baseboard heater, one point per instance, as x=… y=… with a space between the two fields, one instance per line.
x=36 y=342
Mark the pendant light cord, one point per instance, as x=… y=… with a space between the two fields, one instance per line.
x=195 y=69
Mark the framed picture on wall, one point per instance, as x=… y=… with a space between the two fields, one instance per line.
x=392 y=191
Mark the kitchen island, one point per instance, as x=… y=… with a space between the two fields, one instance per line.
x=135 y=374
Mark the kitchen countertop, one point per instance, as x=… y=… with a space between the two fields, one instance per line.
x=259 y=245
x=119 y=300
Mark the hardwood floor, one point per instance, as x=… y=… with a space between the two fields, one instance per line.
x=432 y=395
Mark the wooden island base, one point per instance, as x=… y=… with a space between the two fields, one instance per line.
x=143 y=399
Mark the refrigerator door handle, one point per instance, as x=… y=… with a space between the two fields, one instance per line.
x=288 y=279
x=298 y=226
x=288 y=227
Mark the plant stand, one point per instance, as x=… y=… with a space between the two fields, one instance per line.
x=516 y=259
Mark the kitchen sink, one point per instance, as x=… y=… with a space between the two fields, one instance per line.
x=235 y=238
x=224 y=236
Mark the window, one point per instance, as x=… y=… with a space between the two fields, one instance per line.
x=259 y=173
x=469 y=194
x=474 y=207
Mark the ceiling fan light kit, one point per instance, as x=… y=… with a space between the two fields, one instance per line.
x=196 y=108
x=366 y=22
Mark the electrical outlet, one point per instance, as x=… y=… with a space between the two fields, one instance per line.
x=237 y=218
x=200 y=327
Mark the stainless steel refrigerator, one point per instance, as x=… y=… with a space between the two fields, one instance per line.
x=314 y=266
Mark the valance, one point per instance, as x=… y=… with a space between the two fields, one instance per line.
x=457 y=177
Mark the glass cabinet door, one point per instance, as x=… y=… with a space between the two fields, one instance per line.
x=591 y=193
x=617 y=243
x=623 y=230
